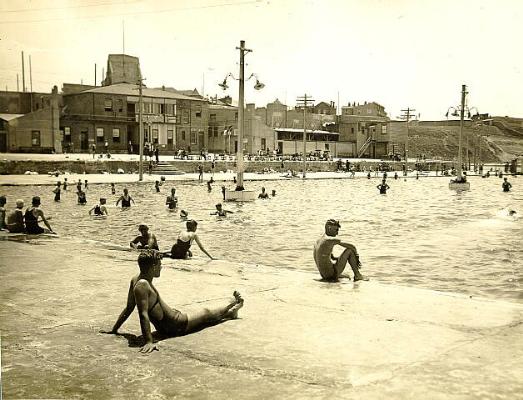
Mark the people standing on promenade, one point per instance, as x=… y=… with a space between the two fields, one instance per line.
x=57 y=191
x=331 y=267
x=146 y=240
x=100 y=208
x=157 y=154
x=200 y=173
x=3 y=201
x=125 y=198
x=93 y=150
x=113 y=189
x=220 y=211
x=85 y=184
x=106 y=147
x=506 y=185
x=223 y=192
x=396 y=175
x=157 y=186
x=65 y=183
x=130 y=147
x=181 y=249
x=263 y=194
x=79 y=185
x=15 y=219
x=82 y=198
x=383 y=187
x=153 y=310
x=31 y=217
x=151 y=153
x=172 y=201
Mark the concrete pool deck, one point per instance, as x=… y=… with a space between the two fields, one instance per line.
x=296 y=338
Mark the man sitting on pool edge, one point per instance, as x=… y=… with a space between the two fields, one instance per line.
x=331 y=267
x=152 y=309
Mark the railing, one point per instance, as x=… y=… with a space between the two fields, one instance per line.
x=365 y=146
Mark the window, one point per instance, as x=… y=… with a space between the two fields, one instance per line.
x=185 y=116
x=67 y=133
x=170 y=136
x=384 y=129
x=108 y=105
x=193 y=136
x=119 y=105
x=35 y=138
x=156 y=108
x=116 y=135
x=100 y=135
x=215 y=131
x=155 y=136
x=147 y=108
x=198 y=111
x=212 y=117
x=183 y=136
x=263 y=144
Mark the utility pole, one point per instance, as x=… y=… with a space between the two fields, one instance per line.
x=304 y=101
x=95 y=74
x=140 y=127
x=241 y=118
x=406 y=116
x=23 y=73
x=17 y=83
x=30 y=75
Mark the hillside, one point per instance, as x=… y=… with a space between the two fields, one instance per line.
x=502 y=140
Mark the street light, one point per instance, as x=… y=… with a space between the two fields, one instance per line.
x=241 y=117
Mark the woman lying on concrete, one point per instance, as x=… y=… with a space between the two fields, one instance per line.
x=152 y=309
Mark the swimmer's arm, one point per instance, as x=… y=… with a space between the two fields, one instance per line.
x=45 y=221
x=91 y=210
x=142 y=301
x=118 y=201
x=126 y=312
x=130 y=198
x=104 y=210
x=134 y=243
x=201 y=247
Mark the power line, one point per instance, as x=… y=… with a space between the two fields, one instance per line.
x=22 y=10
x=132 y=13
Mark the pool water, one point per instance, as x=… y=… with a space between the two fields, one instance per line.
x=419 y=234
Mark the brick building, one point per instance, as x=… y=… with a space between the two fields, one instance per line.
x=110 y=113
x=29 y=122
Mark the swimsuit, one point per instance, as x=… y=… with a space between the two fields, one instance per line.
x=98 y=210
x=171 y=201
x=173 y=322
x=31 y=223
x=180 y=249
x=126 y=203
x=144 y=241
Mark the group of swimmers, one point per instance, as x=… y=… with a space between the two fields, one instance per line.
x=19 y=221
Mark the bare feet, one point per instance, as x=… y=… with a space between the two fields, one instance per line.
x=360 y=278
x=233 y=311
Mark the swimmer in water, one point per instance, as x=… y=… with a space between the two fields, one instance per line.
x=172 y=200
x=209 y=187
x=506 y=185
x=65 y=183
x=223 y=192
x=31 y=217
x=79 y=185
x=125 y=198
x=157 y=186
x=153 y=310
x=113 y=189
x=273 y=193
x=100 y=208
x=383 y=187
x=82 y=199
x=146 y=240
x=331 y=267
x=263 y=194
x=85 y=184
x=183 y=215
x=57 y=191
x=220 y=212
x=3 y=201
x=181 y=249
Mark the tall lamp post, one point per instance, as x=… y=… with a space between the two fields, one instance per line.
x=460 y=111
x=241 y=117
x=305 y=101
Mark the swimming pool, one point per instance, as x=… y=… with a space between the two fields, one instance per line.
x=419 y=234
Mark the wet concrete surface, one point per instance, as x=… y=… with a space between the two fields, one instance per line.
x=297 y=337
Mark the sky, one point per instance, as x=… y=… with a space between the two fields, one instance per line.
x=399 y=53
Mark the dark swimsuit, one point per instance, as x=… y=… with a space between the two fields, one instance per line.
x=97 y=210
x=31 y=223
x=126 y=203
x=173 y=323
x=180 y=249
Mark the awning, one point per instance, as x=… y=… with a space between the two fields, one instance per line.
x=9 y=117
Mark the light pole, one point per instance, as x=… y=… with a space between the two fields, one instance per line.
x=406 y=116
x=241 y=117
x=460 y=111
